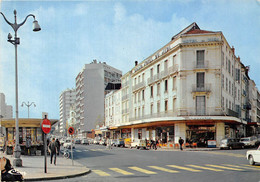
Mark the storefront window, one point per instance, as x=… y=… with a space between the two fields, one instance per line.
x=39 y=135
x=10 y=135
x=200 y=134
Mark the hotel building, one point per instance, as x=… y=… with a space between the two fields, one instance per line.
x=194 y=87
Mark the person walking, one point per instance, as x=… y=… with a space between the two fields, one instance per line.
x=181 y=143
x=58 y=146
x=53 y=150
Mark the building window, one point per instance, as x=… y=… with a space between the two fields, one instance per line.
x=223 y=81
x=200 y=105
x=200 y=79
x=143 y=77
x=222 y=58
x=151 y=108
x=200 y=58
x=158 y=68
x=174 y=83
x=151 y=73
x=165 y=85
x=226 y=84
x=142 y=94
x=229 y=67
x=143 y=111
x=158 y=89
x=166 y=65
x=166 y=105
x=158 y=107
x=174 y=104
x=151 y=91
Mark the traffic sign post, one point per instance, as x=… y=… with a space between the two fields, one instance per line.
x=46 y=128
x=71 y=132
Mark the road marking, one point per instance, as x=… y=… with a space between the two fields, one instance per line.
x=121 y=171
x=242 y=167
x=101 y=173
x=201 y=167
x=184 y=168
x=223 y=167
x=163 y=169
x=86 y=150
x=228 y=154
x=252 y=166
x=78 y=150
x=142 y=170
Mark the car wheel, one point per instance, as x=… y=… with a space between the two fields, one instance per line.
x=243 y=147
x=230 y=147
x=251 y=160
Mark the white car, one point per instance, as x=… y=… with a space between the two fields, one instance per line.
x=137 y=143
x=249 y=141
x=67 y=144
x=253 y=156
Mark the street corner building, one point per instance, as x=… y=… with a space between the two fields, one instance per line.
x=194 y=87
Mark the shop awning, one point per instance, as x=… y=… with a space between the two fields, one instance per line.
x=24 y=122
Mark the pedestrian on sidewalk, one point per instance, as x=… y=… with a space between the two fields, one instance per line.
x=53 y=150
x=181 y=143
x=58 y=146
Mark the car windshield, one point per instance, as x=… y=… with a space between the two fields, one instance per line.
x=244 y=139
x=224 y=141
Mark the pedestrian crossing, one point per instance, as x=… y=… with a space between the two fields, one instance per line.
x=175 y=169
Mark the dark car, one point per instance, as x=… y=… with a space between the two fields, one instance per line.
x=231 y=143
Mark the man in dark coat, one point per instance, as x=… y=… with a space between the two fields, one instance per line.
x=181 y=143
x=53 y=150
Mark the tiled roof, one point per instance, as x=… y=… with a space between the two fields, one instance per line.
x=198 y=31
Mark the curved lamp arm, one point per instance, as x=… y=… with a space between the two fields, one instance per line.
x=6 y=19
x=18 y=25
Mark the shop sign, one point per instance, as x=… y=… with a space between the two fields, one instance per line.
x=127 y=130
x=212 y=143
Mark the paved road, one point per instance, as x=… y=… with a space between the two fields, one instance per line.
x=125 y=165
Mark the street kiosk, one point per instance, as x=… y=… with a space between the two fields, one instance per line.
x=30 y=135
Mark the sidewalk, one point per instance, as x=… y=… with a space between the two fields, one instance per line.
x=33 y=168
x=186 y=149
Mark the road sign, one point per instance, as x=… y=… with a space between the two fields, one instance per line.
x=71 y=130
x=46 y=126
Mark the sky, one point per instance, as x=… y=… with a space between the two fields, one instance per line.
x=117 y=32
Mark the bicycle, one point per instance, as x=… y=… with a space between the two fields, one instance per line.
x=66 y=153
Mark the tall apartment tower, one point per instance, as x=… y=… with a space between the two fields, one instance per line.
x=90 y=90
x=67 y=100
x=6 y=111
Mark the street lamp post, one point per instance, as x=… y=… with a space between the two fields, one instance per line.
x=28 y=105
x=16 y=41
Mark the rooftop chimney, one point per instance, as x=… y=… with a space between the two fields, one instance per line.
x=233 y=50
x=136 y=63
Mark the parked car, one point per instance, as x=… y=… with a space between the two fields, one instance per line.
x=231 y=143
x=96 y=141
x=78 y=141
x=102 y=142
x=137 y=143
x=85 y=141
x=253 y=156
x=67 y=144
x=249 y=141
x=90 y=140
x=118 y=142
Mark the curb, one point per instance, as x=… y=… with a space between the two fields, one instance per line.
x=59 y=177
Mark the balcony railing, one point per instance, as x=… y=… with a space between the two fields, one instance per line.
x=201 y=88
x=124 y=97
x=204 y=65
x=139 y=85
